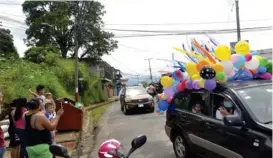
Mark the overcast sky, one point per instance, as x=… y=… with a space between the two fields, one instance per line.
x=130 y=55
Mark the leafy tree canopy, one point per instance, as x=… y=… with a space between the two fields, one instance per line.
x=7 y=48
x=52 y=22
x=42 y=54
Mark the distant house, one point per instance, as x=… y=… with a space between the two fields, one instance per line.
x=108 y=74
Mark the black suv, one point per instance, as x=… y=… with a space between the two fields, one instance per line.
x=248 y=134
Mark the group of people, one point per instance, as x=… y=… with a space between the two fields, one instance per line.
x=226 y=108
x=32 y=126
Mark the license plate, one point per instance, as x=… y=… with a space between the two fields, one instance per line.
x=140 y=105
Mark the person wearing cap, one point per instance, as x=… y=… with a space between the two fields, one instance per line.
x=227 y=108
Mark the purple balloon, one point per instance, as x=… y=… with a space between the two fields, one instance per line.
x=195 y=85
x=210 y=84
x=189 y=84
x=168 y=92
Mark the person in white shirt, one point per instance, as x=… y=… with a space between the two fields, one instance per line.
x=122 y=95
x=227 y=108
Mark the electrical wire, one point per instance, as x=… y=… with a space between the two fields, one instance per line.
x=187 y=31
x=195 y=33
x=188 y=23
x=122 y=64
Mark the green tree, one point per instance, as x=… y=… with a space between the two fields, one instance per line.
x=42 y=54
x=145 y=84
x=52 y=22
x=7 y=48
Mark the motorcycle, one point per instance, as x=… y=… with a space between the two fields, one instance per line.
x=59 y=150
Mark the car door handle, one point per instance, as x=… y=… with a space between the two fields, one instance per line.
x=209 y=124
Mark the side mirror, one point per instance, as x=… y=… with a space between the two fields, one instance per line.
x=137 y=143
x=232 y=120
x=59 y=150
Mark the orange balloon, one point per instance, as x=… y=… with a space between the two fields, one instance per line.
x=201 y=64
x=218 y=67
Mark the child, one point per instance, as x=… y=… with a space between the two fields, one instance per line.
x=50 y=114
x=49 y=98
x=197 y=108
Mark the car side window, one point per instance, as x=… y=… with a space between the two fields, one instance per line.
x=199 y=103
x=182 y=101
x=223 y=106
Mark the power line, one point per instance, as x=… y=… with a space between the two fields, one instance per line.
x=181 y=31
x=190 y=23
x=122 y=64
x=5 y=3
x=196 y=33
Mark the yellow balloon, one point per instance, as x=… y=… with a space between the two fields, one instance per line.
x=222 y=52
x=242 y=47
x=191 y=68
x=166 y=81
x=201 y=83
x=218 y=67
x=195 y=77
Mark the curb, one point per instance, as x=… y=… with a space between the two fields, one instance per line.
x=91 y=107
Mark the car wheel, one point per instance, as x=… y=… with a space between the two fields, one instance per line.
x=180 y=146
x=152 y=109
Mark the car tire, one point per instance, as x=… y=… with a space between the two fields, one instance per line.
x=180 y=146
x=152 y=109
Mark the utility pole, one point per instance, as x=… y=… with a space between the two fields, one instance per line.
x=76 y=50
x=137 y=79
x=150 y=69
x=238 y=20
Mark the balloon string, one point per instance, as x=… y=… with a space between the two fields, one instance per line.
x=213 y=60
x=191 y=54
x=191 y=58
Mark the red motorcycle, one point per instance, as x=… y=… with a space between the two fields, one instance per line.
x=109 y=149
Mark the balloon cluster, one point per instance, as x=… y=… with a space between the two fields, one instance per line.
x=210 y=68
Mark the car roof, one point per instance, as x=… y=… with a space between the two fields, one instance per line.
x=245 y=84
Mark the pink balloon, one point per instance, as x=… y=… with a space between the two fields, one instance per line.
x=248 y=57
x=266 y=76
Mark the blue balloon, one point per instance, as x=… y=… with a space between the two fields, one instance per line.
x=262 y=69
x=239 y=62
x=163 y=105
x=255 y=53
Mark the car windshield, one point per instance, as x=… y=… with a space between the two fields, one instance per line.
x=135 y=91
x=259 y=101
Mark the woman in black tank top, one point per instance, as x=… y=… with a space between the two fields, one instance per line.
x=38 y=128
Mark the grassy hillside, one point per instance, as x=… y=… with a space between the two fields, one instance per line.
x=17 y=76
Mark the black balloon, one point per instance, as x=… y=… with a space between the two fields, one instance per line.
x=207 y=72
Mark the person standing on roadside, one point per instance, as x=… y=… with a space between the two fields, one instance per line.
x=14 y=140
x=40 y=93
x=19 y=123
x=38 y=129
x=2 y=143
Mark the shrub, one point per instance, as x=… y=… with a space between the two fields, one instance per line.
x=17 y=76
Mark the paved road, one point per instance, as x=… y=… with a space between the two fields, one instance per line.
x=114 y=124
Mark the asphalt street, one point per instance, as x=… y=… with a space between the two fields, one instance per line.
x=114 y=124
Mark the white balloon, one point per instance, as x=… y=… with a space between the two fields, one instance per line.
x=252 y=64
x=186 y=75
x=228 y=66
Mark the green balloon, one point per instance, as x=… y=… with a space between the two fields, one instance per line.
x=220 y=76
x=269 y=67
x=263 y=62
